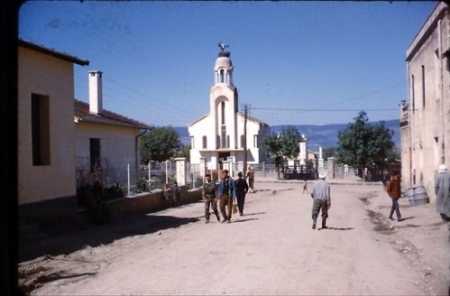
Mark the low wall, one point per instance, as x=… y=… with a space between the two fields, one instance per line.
x=54 y=217
x=150 y=202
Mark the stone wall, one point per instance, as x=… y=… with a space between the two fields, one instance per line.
x=150 y=202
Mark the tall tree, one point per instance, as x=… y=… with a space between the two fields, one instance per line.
x=283 y=146
x=289 y=142
x=329 y=152
x=183 y=151
x=160 y=143
x=364 y=145
x=272 y=145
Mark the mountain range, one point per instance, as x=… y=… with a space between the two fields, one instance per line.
x=323 y=135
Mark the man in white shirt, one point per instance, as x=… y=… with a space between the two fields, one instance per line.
x=321 y=200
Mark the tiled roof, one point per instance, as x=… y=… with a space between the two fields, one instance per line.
x=52 y=52
x=105 y=117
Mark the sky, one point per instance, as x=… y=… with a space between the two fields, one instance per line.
x=157 y=58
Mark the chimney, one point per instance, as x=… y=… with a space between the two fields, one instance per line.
x=95 y=92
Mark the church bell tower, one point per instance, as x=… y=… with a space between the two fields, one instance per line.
x=224 y=103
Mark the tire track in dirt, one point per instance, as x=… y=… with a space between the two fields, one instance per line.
x=406 y=248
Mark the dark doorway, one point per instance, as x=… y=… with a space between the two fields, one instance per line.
x=221 y=158
x=94 y=151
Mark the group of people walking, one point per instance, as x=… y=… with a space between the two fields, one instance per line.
x=226 y=192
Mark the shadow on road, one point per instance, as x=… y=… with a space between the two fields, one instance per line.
x=336 y=228
x=253 y=214
x=245 y=220
x=96 y=235
x=407 y=226
x=407 y=218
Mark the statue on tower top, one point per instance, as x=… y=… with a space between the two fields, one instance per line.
x=223 y=52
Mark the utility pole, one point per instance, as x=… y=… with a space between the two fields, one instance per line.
x=245 y=139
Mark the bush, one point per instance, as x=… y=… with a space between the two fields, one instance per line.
x=112 y=192
x=92 y=197
x=142 y=185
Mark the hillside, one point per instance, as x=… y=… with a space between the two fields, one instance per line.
x=324 y=135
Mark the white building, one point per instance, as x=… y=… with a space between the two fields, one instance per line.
x=104 y=138
x=302 y=156
x=45 y=125
x=217 y=139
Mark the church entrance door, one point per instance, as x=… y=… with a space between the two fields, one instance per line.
x=223 y=156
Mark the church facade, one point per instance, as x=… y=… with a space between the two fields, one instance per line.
x=217 y=139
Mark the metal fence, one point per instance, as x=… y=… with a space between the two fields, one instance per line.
x=155 y=175
x=103 y=172
x=265 y=169
x=161 y=175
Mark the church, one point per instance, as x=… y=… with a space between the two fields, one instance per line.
x=218 y=138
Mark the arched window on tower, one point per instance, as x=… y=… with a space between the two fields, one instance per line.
x=222 y=109
x=222 y=76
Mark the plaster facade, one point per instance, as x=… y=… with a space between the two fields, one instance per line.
x=46 y=75
x=117 y=148
x=425 y=115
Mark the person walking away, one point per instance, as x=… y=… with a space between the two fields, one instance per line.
x=226 y=194
x=321 y=194
x=305 y=187
x=251 y=178
x=441 y=188
x=241 y=190
x=209 y=196
x=394 y=192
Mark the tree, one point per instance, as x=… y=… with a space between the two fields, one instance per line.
x=183 y=151
x=272 y=145
x=282 y=146
x=289 y=142
x=160 y=143
x=329 y=152
x=364 y=145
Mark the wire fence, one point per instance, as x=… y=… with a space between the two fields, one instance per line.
x=172 y=174
x=131 y=179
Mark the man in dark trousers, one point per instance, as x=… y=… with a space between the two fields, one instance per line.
x=209 y=196
x=251 y=178
x=226 y=193
x=321 y=200
x=241 y=190
x=393 y=190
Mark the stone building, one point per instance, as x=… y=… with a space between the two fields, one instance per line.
x=217 y=139
x=425 y=116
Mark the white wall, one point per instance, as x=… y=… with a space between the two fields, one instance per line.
x=46 y=75
x=253 y=128
x=198 y=130
x=117 y=145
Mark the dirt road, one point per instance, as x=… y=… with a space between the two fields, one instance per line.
x=271 y=250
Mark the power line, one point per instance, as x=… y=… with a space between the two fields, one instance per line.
x=323 y=109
